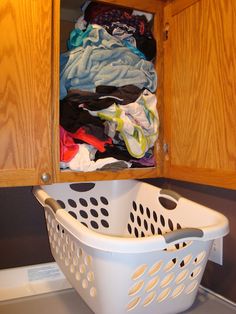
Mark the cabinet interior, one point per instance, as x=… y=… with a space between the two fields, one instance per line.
x=68 y=13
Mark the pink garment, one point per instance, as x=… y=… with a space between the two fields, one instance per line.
x=68 y=148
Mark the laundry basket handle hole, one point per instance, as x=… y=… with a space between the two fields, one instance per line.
x=168 y=199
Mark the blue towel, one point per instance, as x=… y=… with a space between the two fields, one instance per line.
x=103 y=60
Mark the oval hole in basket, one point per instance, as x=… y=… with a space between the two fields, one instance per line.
x=94 y=213
x=61 y=203
x=136 y=288
x=85 y=284
x=104 y=223
x=72 y=268
x=134 y=206
x=67 y=239
x=82 y=187
x=181 y=276
x=149 y=298
x=104 y=212
x=200 y=257
x=191 y=287
x=93 y=292
x=167 y=204
x=94 y=224
x=163 y=295
x=73 y=214
x=141 y=209
x=83 y=214
x=155 y=268
x=148 y=212
x=104 y=200
x=72 y=203
x=77 y=276
x=82 y=268
x=169 y=265
x=185 y=261
x=133 y=304
x=196 y=272
x=139 y=272
x=79 y=252
x=90 y=276
x=83 y=202
x=167 y=280
x=75 y=261
x=154 y=216
x=151 y=284
x=178 y=290
x=58 y=228
x=139 y=221
x=94 y=201
x=88 y=260
x=72 y=246
x=170 y=224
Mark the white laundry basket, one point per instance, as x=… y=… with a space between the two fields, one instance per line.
x=130 y=247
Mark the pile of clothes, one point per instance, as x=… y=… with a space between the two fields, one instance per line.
x=108 y=115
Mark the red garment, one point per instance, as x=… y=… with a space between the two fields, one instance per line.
x=68 y=148
x=81 y=134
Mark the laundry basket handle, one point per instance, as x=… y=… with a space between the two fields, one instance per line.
x=183 y=233
x=52 y=203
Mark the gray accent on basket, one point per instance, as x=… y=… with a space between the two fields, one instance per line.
x=170 y=193
x=53 y=204
x=182 y=233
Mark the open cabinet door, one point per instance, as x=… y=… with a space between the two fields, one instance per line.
x=25 y=92
x=200 y=91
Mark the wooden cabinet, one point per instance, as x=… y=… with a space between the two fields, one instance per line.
x=25 y=92
x=196 y=92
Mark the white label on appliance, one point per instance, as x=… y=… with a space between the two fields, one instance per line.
x=44 y=272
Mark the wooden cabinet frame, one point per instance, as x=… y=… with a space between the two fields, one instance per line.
x=196 y=93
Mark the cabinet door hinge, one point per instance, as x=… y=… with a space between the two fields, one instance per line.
x=165 y=148
x=166 y=31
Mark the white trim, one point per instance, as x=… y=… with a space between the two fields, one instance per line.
x=218 y=296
